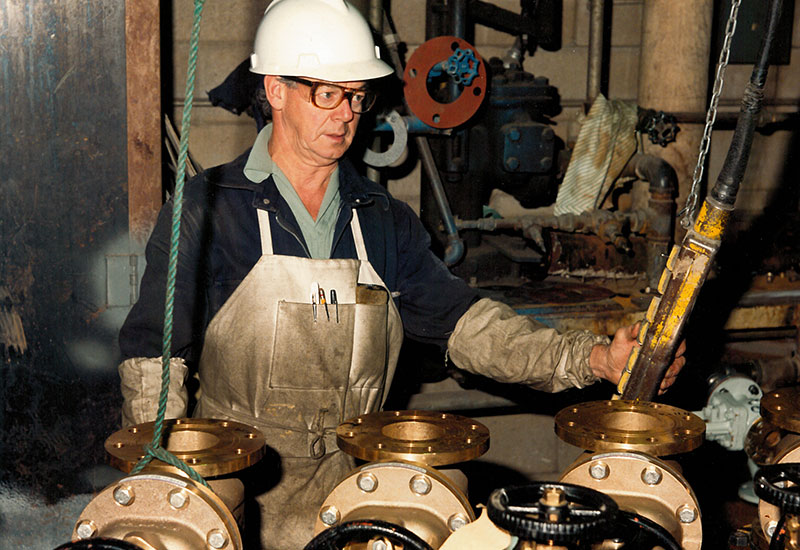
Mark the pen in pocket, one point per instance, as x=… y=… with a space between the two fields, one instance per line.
x=335 y=303
x=314 y=294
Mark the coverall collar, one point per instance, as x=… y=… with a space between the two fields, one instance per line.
x=259 y=168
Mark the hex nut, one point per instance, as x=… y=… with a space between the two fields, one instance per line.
x=216 y=539
x=329 y=515
x=456 y=522
x=85 y=529
x=178 y=498
x=599 y=470
x=124 y=495
x=687 y=514
x=652 y=476
x=420 y=484
x=367 y=482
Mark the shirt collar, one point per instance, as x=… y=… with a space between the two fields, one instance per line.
x=259 y=164
x=260 y=167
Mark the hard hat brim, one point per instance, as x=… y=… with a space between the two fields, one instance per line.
x=349 y=72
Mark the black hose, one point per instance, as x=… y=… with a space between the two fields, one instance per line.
x=732 y=173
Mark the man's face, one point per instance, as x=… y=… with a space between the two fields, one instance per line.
x=321 y=136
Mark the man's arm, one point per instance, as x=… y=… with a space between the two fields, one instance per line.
x=141 y=335
x=491 y=339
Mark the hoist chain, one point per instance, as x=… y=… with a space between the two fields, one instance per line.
x=690 y=210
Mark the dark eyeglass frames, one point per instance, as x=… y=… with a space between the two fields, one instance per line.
x=329 y=96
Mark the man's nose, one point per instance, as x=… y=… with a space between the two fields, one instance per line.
x=344 y=110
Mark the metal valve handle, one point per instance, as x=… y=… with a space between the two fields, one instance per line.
x=99 y=544
x=363 y=530
x=766 y=481
x=552 y=512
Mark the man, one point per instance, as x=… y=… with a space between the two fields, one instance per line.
x=297 y=278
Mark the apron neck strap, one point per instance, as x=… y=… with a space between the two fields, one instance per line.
x=266 y=234
x=265 y=231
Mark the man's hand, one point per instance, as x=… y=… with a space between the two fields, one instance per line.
x=608 y=362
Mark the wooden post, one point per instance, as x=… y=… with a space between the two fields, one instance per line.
x=143 y=74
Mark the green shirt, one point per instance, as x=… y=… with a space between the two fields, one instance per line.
x=318 y=233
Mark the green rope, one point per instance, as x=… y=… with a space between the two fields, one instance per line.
x=154 y=448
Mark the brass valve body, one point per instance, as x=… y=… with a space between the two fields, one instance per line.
x=780 y=407
x=414 y=496
x=161 y=508
x=645 y=485
x=787 y=451
x=160 y=511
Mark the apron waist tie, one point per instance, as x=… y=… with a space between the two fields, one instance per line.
x=317 y=448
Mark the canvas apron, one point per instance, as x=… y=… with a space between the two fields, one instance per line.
x=268 y=363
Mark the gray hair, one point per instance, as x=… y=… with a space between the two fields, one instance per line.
x=261 y=97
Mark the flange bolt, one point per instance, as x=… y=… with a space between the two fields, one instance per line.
x=123 y=495
x=85 y=529
x=599 y=470
x=216 y=539
x=651 y=475
x=687 y=514
x=367 y=482
x=420 y=485
x=329 y=515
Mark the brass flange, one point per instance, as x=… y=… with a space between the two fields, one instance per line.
x=762 y=442
x=425 y=437
x=212 y=447
x=781 y=408
x=160 y=510
x=623 y=425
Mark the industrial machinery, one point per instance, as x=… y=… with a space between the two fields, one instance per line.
x=773 y=444
x=619 y=494
x=625 y=442
x=403 y=484
x=160 y=507
x=777 y=486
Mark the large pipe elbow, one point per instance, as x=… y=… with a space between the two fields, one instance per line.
x=454 y=250
x=661 y=209
x=656 y=171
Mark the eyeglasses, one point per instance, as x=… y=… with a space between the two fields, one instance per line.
x=329 y=96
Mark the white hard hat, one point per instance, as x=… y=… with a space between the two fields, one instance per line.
x=323 y=39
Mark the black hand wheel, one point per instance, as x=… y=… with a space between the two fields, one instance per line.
x=364 y=530
x=99 y=544
x=560 y=513
x=640 y=533
x=766 y=481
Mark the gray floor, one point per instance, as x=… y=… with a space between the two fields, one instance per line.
x=26 y=523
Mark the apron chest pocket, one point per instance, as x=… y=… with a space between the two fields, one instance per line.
x=310 y=354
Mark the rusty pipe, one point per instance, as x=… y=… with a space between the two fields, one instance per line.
x=596 y=38
x=661 y=208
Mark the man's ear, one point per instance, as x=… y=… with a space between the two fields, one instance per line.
x=276 y=92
